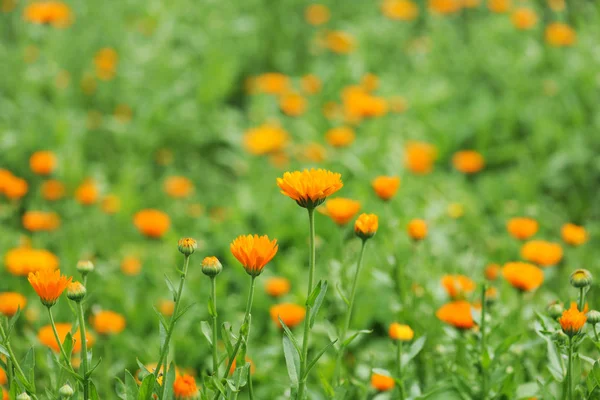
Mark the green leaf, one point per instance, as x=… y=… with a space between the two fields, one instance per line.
x=555 y=366
x=89 y=373
x=292 y=361
x=170 y=379
x=131 y=386
x=171 y=287
x=4 y=351
x=225 y=335
x=313 y=296
x=146 y=388
x=13 y=321
x=93 y=392
x=28 y=366
x=206 y=331
x=161 y=317
x=162 y=335
x=341 y=293
x=318 y=303
x=316 y=359
x=240 y=376
x=291 y=336
x=186 y=309
x=527 y=390
x=414 y=349
x=68 y=344
x=596 y=372
x=217 y=383
x=354 y=336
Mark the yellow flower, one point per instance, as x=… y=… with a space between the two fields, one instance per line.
x=522 y=228
x=254 y=252
x=402 y=10
x=386 y=186
x=366 y=226
x=542 y=253
x=340 y=137
x=499 y=6
x=292 y=104
x=316 y=14
x=560 y=35
x=341 y=210
x=178 y=187
x=524 y=18
x=265 y=139
x=401 y=332
x=310 y=188
x=468 y=161
x=311 y=84
x=106 y=63
x=419 y=157
x=417 y=229
x=340 y=42
x=444 y=6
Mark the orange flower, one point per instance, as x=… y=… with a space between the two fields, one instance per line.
x=87 y=193
x=291 y=314
x=53 y=190
x=524 y=18
x=46 y=337
x=111 y=204
x=542 y=253
x=10 y=302
x=272 y=83
x=292 y=104
x=560 y=35
x=457 y=314
x=417 y=229
x=468 y=161
x=572 y=320
x=131 y=266
x=185 y=387
x=316 y=14
x=166 y=307
x=557 y=5
x=523 y=276
x=311 y=84
x=444 y=7
x=369 y=82
x=358 y=103
x=419 y=157
x=254 y=252
x=106 y=60
x=499 y=6
x=42 y=162
x=340 y=42
x=341 y=210
x=265 y=139
x=340 y=137
x=311 y=187
x=401 y=10
x=36 y=221
x=457 y=286
x=152 y=223
x=386 y=186
x=314 y=152
x=277 y=287
x=108 y=322
x=178 y=187
x=382 y=383
x=55 y=13
x=49 y=285
x=522 y=228
x=366 y=226
x=573 y=234
x=22 y=261
x=492 y=271
x=401 y=332
x=13 y=187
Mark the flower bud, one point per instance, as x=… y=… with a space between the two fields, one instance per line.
x=66 y=391
x=593 y=317
x=581 y=278
x=187 y=246
x=23 y=396
x=211 y=266
x=366 y=226
x=560 y=337
x=76 y=291
x=85 y=267
x=555 y=310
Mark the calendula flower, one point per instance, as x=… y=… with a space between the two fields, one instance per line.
x=313 y=152
x=386 y=186
x=108 y=322
x=401 y=332
x=272 y=83
x=400 y=10
x=419 y=157
x=21 y=261
x=293 y=104
x=53 y=190
x=492 y=271
x=254 y=252
x=417 y=229
x=524 y=18
x=382 y=383
x=76 y=291
x=36 y=221
x=178 y=187
x=522 y=228
x=42 y=162
x=468 y=161
x=187 y=246
x=10 y=302
x=557 y=5
x=46 y=337
x=444 y=7
x=310 y=188
x=316 y=14
x=265 y=139
x=131 y=266
x=457 y=314
x=13 y=187
x=111 y=204
x=291 y=314
x=166 y=307
x=152 y=223
x=311 y=84
x=340 y=42
x=185 y=387
x=573 y=234
x=523 y=276
x=498 y=6
x=572 y=320
x=277 y=287
x=458 y=286
x=340 y=137
x=560 y=35
x=49 y=285
x=366 y=226
x=542 y=253
x=211 y=266
x=358 y=103
x=55 y=13
x=87 y=193
x=341 y=210
x=106 y=60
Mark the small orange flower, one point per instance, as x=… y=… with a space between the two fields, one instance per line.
x=108 y=322
x=311 y=84
x=358 y=103
x=492 y=271
x=22 y=261
x=382 y=383
x=272 y=83
x=131 y=266
x=254 y=252
x=53 y=190
x=340 y=137
x=36 y=221
x=401 y=332
x=265 y=139
x=46 y=337
x=87 y=193
x=523 y=276
x=49 y=285
x=277 y=287
x=111 y=204
x=444 y=7
x=106 y=60
x=185 y=387
x=522 y=228
x=366 y=226
x=291 y=314
x=468 y=161
x=573 y=234
x=457 y=286
x=560 y=35
x=340 y=42
x=10 y=302
x=542 y=253
x=316 y=14
x=341 y=210
x=524 y=18
x=13 y=187
x=419 y=157
x=152 y=223
x=42 y=162
x=386 y=186
x=293 y=104
x=178 y=187
x=417 y=229
x=499 y=6
x=572 y=320
x=457 y=314
x=401 y=10
x=166 y=307
x=310 y=188
x=55 y=13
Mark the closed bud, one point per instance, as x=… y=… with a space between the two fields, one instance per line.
x=66 y=391
x=85 y=267
x=23 y=396
x=187 y=246
x=211 y=266
x=593 y=317
x=76 y=291
x=581 y=278
x=366 y=226
x=560 y=337
x=555 y=310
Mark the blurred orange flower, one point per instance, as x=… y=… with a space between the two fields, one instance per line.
x=248 y=360
x=310 y=188
x=178 y=187
x=574 y=235
x=444 y=6
x=542 y=253
x=49 y=285
x=152 y=223
x=560 y=35
x=42 y=162
x=106 y=60
x=185 y=387
x=316 y=14
x=341 y=210
x=492 y=271
x=87 y=193
x=340 y=42
x=402 y=10
x=277 y=287
x=313 y=152
x=13 y=187
x=341 y=136
x=522 y=228
x=468 y=161
x=254 y=252
x=524 y=18
x=21 y=261
x=401 y=332
x=131 y=266
x=311 y=84
x=499 y=6
x=10 y=302
x=523 y=276
x=419 y=157
x=386 y=186
x=166 y=307
x=53 y=190
x=458 y=286
x=36 y=221
x=382 y=383
x=265 y=139
x=111 y=204
x=417 y=229
x=457 y=314
x=272 y=83
x=46 y=337
x=55 y=13
x=359 y=103
x=108 y=322
x=292 y=104
x=291 y=314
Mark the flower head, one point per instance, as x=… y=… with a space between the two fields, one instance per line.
x=52 y=190
x=254 y=252
x=152 y=223
x=185 y=387
x=108 y=322
x=523 y=276
x=311 y=84
x=444 y=7
x=366 y=226
x=499 y=6
x=76 y=291
x=401 y=10
x=572 y=320
x=457 y=314
x=23 y=260
x=277 y=287
x=39 y=221
x=581 y=278
x=49 y=285
x=10 y=302
x=131 y=266
x=187 y=246
x=111 y=204
x=417 y=229
x=178 y=187
x=316 y=14
x=419 y=157
x=468 y=161
x=211 y=266
x=293 y=104
x=524 y=18
x=573 y=234
x=381 y=382
x=291 y=314
x=341 y=210
x=560 y=35
x=265 y=139
x=87 y=193
x=340 y=137
x=106 y=61
x=310 y=188
x=542 y=253
x=522 y=228
x=55 y=13
x=340 y=42
x=46 y=337
x=386 y=186
x=401 y=332
x=492 y=271
x=458 y=286
x=42 y=162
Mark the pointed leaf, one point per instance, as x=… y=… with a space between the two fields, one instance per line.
x=206 y=331
x=316 y=359
x=161 y=317
x=414 y=349
x=171 y=287
x=313 y=296
x=131 y=387
x=318 y=303
x=292 y=361
x=341 y=293
x=170 y=379
x=146 y=388
x=185 y=309
x=291 y=336
x=354 y=336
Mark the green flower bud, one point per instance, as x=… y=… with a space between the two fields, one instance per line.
x=211 y=266
x=187 y=246
x=66 y=391
x=23 y=396
x=76 y=291
x=593 y=317
x=555 y=310
x=581 y=278
x=85 y=267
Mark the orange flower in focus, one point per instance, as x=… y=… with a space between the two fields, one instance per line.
x=310 y=188
x=444 y=7
x=42 y=162
x=401 y=332
x=573 y=234
x=386 y=186
x=178 y=187
x=131 y=266
x=291 y=314
x=492 y=271
x=22 y=261
x=111 y=204
x=316 y=14
x=468 y=161
x=341 y=210
x=272 y=83
x=457 y=286
x=55 y=13
x=106 y=60
x=522 y=228
x=292 y=104
x=108 y=322
x=277 y=287
x=340 y=137
x=499 y=6
x=419 y=157
x=10 y=302
x=185 y=387
x=401 y=10
x=366 y=226
x=254 y=252
x=382 y=383
x=53 y=190
x=87 y=193
x=46 y=337
x=572 y=320
x=523 y=276
x=311 y=84
x=560 y=35
x=417 y=229
x=265 y=139
x=457 y=314
x=542 y=253
x=340 y=42
x=152 y=223
x=36 y=221
x=49 y=285
x=524 y=18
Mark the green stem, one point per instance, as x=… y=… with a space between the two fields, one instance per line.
x=483 y=343
x=570 y=370
x=13 y=359
x=84 y=360
x=311 y=273
x=214 y=325
x=399 y=364
x=581 y=299
x=65 y=357
x=595 y=333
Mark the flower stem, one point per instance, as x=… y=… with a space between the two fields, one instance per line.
x=581 y=299
x=65 y=357
x=311 y=273
x=84 y=360
x=569 y=380
x=399 y=365
x=214 y=325
x=12 y=359
x=483 y=343
x=244 y=334
x=595 y=333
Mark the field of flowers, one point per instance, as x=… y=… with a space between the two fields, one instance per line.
x=392 y=199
